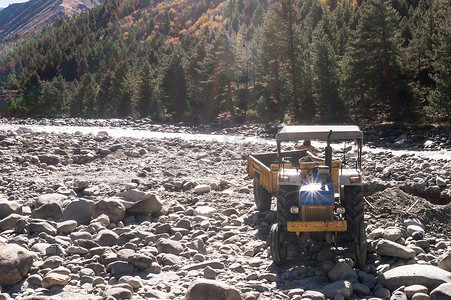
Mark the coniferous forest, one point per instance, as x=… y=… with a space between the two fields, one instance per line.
x=235 y=61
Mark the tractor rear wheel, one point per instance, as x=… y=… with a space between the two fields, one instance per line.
x=287 y=196
x=278 y=244
x=262 y=197
x=354 y=205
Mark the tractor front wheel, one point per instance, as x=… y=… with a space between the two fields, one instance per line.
x=262 y=197
x=287 y=196
x=278 y=244
x=354 y=204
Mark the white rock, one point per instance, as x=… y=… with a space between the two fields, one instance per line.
x=206 y=211
x=202 y=188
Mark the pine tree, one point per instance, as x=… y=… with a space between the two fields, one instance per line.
x=325 y=75
x=373 y=78
x=173 y=87
x=219 y=82
x=440 y=98
x=145 y=91
x=269 y=79
x=289 y=40
x=418 y=55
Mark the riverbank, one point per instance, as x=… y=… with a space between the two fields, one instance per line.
x=96 y=215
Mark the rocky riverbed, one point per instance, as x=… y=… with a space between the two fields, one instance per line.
x=90 y=216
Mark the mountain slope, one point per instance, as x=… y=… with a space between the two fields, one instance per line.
x=21 y=18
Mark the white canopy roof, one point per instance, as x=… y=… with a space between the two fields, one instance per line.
x=318 y=132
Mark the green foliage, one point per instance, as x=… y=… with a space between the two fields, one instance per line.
x=237 y=61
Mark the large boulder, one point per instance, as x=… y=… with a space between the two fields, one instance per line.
x=444 y=261
x=49 y=206
x=8 y=207
x=10 y=221
x=442 y=292
x=140 y=203
x=48 y=210
x=78 y=210
x=112 y=207
x=393 y=249
x=204 y=289
x=15 y=262
x=429 y=276
x=49 y=198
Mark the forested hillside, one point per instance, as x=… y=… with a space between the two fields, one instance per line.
x=233 y=61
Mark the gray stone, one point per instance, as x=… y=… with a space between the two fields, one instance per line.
x=184 y=223
x=10 y=221
x=390 y=248
x=140 y=203
x=120 y=268
x=215 y=264
x=392 y=233
x=79 y=211
x=169 y=246
x=49 y=159
x=440 y=181
x=413 y=289
x=342 y=287
x=168 y=259
x=34 y=280
x=106 y=237
x=210 y=273
x=141 y=261
x=426 y=275
x=313 y=295
x=421 y=296
x=54 y=279
x=38 y=226
x=414 y=228
x=444 y=261
x=112 y=207
x=204 y=289
x=66 y=226
x=382 y=293
x=52 y=262
x=360 y=289
x=398 y=295
x=50 y=198
x=134 y=281
x=342 y=271
x=48 y=210
x=442 y=292
x=118 y=293
x=15 y=262
x=8 y=207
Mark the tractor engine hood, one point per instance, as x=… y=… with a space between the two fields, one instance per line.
x=314 y=194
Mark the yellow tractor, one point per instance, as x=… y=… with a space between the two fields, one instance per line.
x=316 y=198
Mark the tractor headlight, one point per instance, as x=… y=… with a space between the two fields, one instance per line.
x=294 y=210
x=340 y=210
